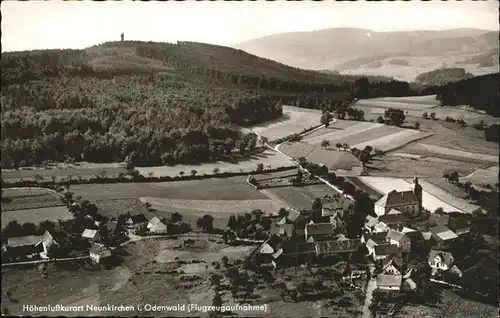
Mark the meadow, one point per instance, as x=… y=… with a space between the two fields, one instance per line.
x=300 y=197
x=482 y=176
x=294 y=120
x=414 y=103
x=53 y=213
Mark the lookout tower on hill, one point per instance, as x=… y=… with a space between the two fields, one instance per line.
x=122 y=37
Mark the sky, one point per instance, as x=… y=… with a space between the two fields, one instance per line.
x=31 y=25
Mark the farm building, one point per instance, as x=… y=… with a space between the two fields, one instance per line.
x=389 y=282
x=319 y=232
x=282 y=230
x=292 y=217
x=98 y=252
x=90 y=235
x=327 y=248
x=394 y=219
x=437 y=219
x=393 y=266
x=113 y=228
x=399 y=239
x=407 y=202
x=459 y=225
x=156 y=226
x=440 y=261
x=383 y=251
x=136 y=222
x=271 y=246
x=442 y=235
x=30 y=246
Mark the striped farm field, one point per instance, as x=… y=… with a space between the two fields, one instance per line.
x=294 y=120
x=406 y=103
x=431 y=198
x=29 y=198
x=459 y=153
x=361 y=134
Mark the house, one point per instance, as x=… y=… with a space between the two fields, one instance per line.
x=399 y=239
x=394 y=220
x=156 y=226
x=372 y=240
x=282 y=230
x=393 y=266
x=271 y=246
x=381 y=227
x=98 y=252
x=90 y=235
x=409 y=284
x=291 y=252
x=29 y=246
x=389 y=282
x=436 y=219
x=335 y=247
x=136 y=222
x=370 y=223
x=440 y=261
x=442 y=235
x=113 y=228
x=385 y=250
x=459 y=225
x=407 y=202
x=319 y=232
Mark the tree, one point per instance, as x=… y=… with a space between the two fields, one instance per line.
x=283 y=213
x=425 y=115
x=325 y=143
x=231 y=223
x=45 y=225
x=341 y=112
x=395 y=116
x=325 y=119
x=433 y=116
x=176 y=217
x=260 y=167
x=453 y=178
x=13 y=228
x=193 y=172
x=225 y=261
x=364 y=157
x=54 y=251
x=28 y=228
x=345 y=146
x=206 y=223
x=417 y=125
x=181 y=173
x=380 y=120
x=338 y=145
x=215 y=280
x=216 y=170
x=217 y=302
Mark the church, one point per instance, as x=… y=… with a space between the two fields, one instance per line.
x=405 y=202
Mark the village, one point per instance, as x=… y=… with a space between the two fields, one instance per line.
x=399 y=252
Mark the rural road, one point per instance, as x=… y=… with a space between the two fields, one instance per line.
x=372 y=285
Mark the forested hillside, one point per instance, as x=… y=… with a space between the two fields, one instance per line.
x=153 y=103
x=443 y=76
x=480 y=93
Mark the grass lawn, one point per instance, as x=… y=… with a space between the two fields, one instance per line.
x=28 y=198
x=301 y=197
x=333 y=159
x=234 y=188
x=294 y=120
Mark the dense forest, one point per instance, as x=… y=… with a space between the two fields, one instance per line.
x=480 y=93
x=443 y=76
x=154 y=103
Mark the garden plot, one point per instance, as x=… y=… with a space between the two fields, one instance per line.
x=429 y=201
x=395 y=140
x=482 y=176
x=458 y=153
x=294 y=120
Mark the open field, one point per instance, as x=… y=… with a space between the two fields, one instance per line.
x=268 y=158
x=142 y=278
x=429 y=201
x=294 y=120
x=483 y=176
x=459 y=153
x=35 y=216
x=28 y=198
x=116 y=207
x=341 y=162
x=233 y=188
x=83 y=170
x=300 y=197
x=453 y=305
x=407 y=103
x=361 y=134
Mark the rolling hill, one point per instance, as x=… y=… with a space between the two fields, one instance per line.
x=402 y=55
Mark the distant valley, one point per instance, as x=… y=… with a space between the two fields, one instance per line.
x=402 y=55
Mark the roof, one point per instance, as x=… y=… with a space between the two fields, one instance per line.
x=337 y=246
x=426 y=235
x=138 y=218
x=389 y=280
x=273 y=241
x=156 y=221
x=395 y=235
x=29 y=240
x=393 y=219
x=443 y=233
x=87 y=233
x=292 y=215
x=99 y=249
x=381 y=227
x=445 y=256
x=439 y=219
x=303 y=248
x=320 y=228
x=281 y=229
x=386 y=249
x=111 y=226
x=458 y=223
x=395 y=198
x=377 y=238
x=371 y=221
x=407 y=230
x=394 y=212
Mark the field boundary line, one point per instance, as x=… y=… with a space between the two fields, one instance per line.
x=46 y=261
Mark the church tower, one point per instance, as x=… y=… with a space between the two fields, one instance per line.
x=417 y=189
x=122 y=37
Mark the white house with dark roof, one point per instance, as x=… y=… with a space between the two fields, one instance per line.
x=156 y=226
x=98 y=252
x=407 y=202
x=399 y=239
